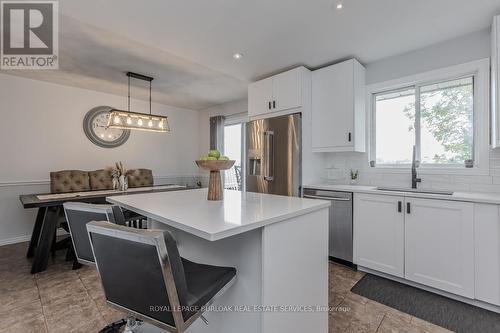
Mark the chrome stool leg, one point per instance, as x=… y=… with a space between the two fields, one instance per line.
x=132 y=325
x=204 y=319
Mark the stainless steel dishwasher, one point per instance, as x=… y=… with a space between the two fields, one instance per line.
x=340 y=235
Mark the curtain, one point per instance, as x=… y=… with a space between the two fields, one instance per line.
x=217 y=133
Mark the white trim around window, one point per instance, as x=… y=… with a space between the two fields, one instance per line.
x=236 y=118
x=480 y=70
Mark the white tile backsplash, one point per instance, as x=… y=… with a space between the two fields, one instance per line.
x=484 y=188
x=494 y=162
x=475 y=183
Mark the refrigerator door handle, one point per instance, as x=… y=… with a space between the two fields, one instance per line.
x=269 y=144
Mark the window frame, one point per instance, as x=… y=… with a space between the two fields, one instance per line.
x=240 y=119
x=479 y=71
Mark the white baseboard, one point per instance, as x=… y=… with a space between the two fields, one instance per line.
x=15 y=240
x=26 y=238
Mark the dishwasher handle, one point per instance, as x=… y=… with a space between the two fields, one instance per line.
x=307 y=196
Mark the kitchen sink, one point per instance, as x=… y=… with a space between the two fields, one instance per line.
x=413 y=190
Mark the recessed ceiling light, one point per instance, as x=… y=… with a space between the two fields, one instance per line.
x=238 y=56
x=340 y=5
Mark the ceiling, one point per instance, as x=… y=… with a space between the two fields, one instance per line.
x=97 y=59
x=188 y=44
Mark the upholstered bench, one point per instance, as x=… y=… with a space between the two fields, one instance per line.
x=70 y=181
x=139 y=178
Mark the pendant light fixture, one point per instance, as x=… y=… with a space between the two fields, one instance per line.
x=136 y=120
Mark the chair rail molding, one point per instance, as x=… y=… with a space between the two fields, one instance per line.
x=12 y=183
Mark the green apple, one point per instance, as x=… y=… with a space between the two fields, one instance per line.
x=223 y=158
x=204 y=158
x=214 y=153
x=210 y=158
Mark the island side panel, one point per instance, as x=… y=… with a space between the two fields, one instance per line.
x=241 y=251
x=295 y=273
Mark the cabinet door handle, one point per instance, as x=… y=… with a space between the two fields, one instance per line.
x=269 y=105
x=349 y=137
x=408 y=208
x=274 y=104
x=400 y=206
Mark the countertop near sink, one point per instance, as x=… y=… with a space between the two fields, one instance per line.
x=476 y=197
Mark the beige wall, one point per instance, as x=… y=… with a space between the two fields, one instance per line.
x=41 y=131
x=457 y=51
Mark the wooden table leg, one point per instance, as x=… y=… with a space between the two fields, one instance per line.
x=36 y=232
x=45 y=240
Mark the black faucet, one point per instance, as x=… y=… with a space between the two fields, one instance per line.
x=414 y=179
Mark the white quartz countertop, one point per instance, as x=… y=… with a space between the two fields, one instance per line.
x=239 y=212
x=475 y=197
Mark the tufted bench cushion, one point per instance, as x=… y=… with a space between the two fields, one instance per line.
x=139 y=177
x=69 y=181
x=101 y=180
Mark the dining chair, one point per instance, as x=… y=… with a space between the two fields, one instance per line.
x=101 y=179
x=139 y=178
x=66 y=181
x=176 y=292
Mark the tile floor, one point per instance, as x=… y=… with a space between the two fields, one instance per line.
x=60 y=300
x=353 y=313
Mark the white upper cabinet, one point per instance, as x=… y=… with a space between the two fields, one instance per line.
x=286 y=90
x=378 y=233
x=495 y=84
x=277 y=93
x=260 y=96
x=439 y=247
x=338 y=108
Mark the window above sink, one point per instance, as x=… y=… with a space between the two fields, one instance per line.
x=443 y=113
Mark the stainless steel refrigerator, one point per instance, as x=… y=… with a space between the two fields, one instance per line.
x=273 y=153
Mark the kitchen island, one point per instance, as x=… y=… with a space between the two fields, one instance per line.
x=278 y=244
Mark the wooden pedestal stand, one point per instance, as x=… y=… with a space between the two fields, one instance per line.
x=215 y=191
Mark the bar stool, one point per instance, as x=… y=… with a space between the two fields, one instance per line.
x=177 y=290
x=78 y=214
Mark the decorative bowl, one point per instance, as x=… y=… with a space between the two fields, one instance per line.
x=215 y=165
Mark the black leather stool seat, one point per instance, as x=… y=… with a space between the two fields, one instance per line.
x=160 y=286
x=204 y=282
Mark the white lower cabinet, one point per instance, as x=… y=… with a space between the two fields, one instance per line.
x=439 y=245
x=427 y=241
x=378 y=233
x=487 y=252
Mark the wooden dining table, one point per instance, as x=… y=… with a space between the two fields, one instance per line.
x=50 y=209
